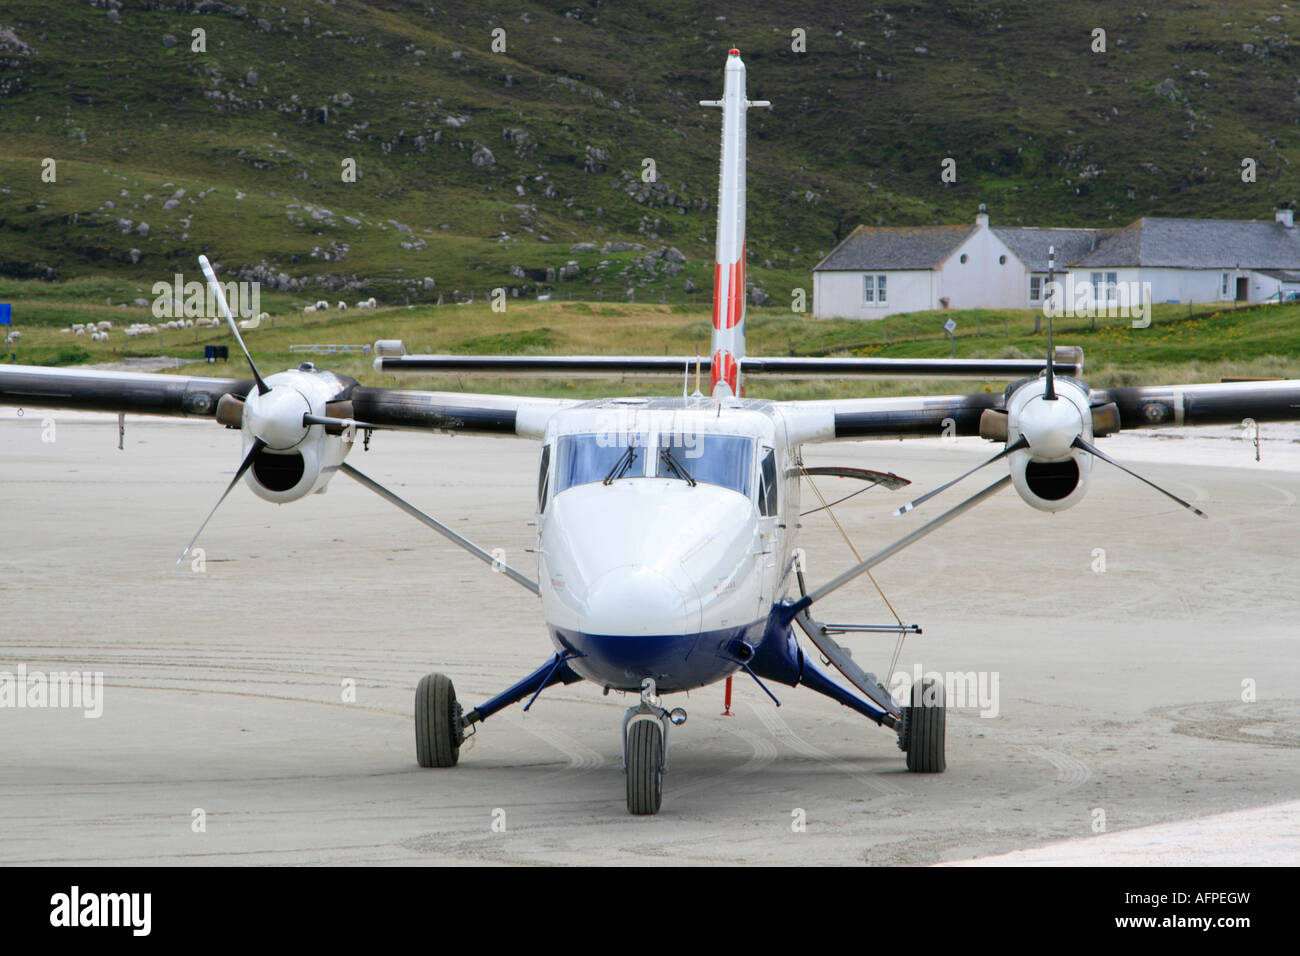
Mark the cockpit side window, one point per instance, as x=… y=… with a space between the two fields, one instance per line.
x=543 y=478
x=767 y=489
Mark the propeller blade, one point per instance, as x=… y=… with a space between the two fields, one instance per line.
x=247 y=463
x=1018 y=444
x=230 y=319
x=1092 y=449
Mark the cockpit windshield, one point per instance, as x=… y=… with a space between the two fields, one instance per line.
x=582 y=459
x=725 y=460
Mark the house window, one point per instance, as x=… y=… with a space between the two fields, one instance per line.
x=873 y=289
x=1104 y=285
x=963 y=258
x=1035 y=289
x=1002 y=260
x=1223 y=291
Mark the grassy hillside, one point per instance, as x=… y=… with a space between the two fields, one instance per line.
x=478 y=168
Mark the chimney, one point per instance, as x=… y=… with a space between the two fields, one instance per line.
x=1283 y=214
x=983 y=218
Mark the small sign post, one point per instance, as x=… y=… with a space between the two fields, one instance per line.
x=951 y=328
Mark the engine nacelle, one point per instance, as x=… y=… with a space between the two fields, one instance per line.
x=1051 y=474
x=298 y=459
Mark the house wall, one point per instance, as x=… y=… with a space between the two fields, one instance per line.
x=1266 y=288
x=838 y=295
x=1173 y=285
x=981 y=282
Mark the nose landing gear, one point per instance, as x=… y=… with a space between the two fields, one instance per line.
x=645 y=749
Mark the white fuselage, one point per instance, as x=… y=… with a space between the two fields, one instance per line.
x=645 y=574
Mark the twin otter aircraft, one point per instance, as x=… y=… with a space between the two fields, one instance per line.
x=667 y=527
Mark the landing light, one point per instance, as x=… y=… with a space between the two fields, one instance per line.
x=678 y=716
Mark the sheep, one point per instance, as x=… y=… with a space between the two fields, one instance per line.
x=372 y=303
x=343 y=306
x=263 y=315
x=309 y=309
x=322 y=305
x=104 y=326
x=363 y=304
x=68 y=329
x=81 y=330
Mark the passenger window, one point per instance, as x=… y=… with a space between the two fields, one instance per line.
x=543 y=477
x=767 y=503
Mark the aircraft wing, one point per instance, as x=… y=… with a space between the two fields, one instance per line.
x=393 y=360
x=1138 y=407
x=97 y=390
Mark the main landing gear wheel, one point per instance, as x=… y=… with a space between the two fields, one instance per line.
x=439 y=727
x=923 y=731
x=645 y=773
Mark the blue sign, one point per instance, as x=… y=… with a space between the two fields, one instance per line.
x=6 y=313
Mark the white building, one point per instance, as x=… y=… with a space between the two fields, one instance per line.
x=877 y=272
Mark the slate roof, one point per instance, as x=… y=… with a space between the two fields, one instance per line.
x=1199 y=244
x=1149 y=242
x=1289 y=277
x=894 y=247
x=1030 y=244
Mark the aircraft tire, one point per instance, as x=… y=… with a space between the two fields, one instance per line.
x=926 y=723
x=645 y=781
x=439 y=729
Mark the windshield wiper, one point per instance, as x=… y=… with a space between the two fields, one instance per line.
x=623 y=464
x=668 y=458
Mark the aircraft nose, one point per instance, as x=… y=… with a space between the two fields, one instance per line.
x=639 y=601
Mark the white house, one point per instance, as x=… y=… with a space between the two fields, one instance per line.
x=875 y=272
x=1197 y=260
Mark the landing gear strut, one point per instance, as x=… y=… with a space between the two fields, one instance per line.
x=645 y=749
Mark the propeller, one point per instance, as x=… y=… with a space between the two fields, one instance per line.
x=1050 y=431
x=270 y=416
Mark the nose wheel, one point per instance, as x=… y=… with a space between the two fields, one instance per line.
x=645 y=750
x=645 y=766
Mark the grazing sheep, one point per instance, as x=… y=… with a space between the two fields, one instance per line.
x=81 y=330
x=309 y=309
x=104 y=326
x=322 y=305
x=362 y=304
x=343 y=306
x=373 y=303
